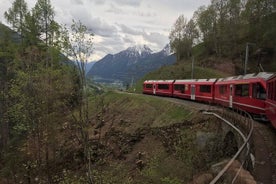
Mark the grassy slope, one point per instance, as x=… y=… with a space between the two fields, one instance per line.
x=160 y=130
x=150 y=111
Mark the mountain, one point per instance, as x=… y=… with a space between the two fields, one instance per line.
x=7 y=33
x=130 y=64
x=88 y=66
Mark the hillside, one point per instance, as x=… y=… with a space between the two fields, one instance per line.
x=181 y=70
x=210 y=66
x=143 y=139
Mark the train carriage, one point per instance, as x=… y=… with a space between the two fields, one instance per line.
x=158 y=87
x=184 y=89
x=148 y=87
x=246 y=92
x=270 y=109
x=254 y=93
x=195 y=89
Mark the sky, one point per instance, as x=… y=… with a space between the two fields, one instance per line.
x=119 y=24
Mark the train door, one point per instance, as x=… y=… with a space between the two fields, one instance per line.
x=154 y=89
x=193 y=92
x=231 y=96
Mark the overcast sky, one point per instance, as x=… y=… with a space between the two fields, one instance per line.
x=119 y=24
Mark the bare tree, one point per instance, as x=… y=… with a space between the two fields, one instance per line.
x=79 y=48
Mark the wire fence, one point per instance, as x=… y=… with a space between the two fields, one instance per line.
x=242 y=124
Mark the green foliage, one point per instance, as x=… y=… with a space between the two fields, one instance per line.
x=16 y=15
x=168 y=180
x=225 y=26
x=182 y=37
x=39 y=89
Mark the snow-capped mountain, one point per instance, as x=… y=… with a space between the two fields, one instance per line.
x=132 y=63
x=139 y=50
x=166 y=50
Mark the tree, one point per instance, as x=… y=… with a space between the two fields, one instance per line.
x=44 y=14
x=79 y=48
x=182 y=37
x=257 y=16
x=176 y=36
x=16 y=16
x=6 y=58
x=39 y=94
x=206 y=21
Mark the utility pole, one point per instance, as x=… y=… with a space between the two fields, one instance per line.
x=193 y=60
x=246 y=55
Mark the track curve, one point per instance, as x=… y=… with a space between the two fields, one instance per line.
x=263 y=140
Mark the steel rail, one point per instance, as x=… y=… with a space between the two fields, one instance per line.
x=246 y=143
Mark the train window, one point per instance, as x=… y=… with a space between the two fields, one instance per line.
x=242 y=90
x=149 y=86
x=269 y=90
x=205 y=88
x=179 y=87
x=222 y=89
x=163 y=86
x=258 y=91
x=274 y=91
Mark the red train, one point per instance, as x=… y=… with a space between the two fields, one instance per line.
x=270 y=107
x=254 y=93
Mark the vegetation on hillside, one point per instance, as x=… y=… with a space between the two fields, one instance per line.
x=225 y=28
x=143 y=139
x=41 y=93
x=57 y=128
x=180 y=70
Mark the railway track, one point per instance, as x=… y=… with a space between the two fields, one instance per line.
x=263 y=140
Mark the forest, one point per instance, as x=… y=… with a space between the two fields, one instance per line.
x=225 y=27
x=42 y=91
x=45 y=120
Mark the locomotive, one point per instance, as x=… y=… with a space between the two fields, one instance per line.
x=254 y=93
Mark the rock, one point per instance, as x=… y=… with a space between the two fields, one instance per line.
x=140 y=164
x=205 y=178
x=244 y=176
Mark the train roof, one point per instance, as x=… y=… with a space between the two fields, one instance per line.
x=197 y=80
x=151 y=81
x=272 y=77
x=262 y=75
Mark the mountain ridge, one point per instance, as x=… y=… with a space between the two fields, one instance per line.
x=130 y=64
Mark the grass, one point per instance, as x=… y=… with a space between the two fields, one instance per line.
x=159 y=129
x=144 y=111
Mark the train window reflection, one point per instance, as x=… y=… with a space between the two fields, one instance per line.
x=149 y=86
x=205 y=88
x=163 y=86
x=242 y=90
x=258 y=91
x=222 y=89
x=179 y=87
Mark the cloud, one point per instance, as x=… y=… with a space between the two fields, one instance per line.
x=100 y=27
x=115 y=9
x=78 y=2
x=99 y=2
x=156 y=38
x=127 y=30
x=134 y=3
x=118 y=24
